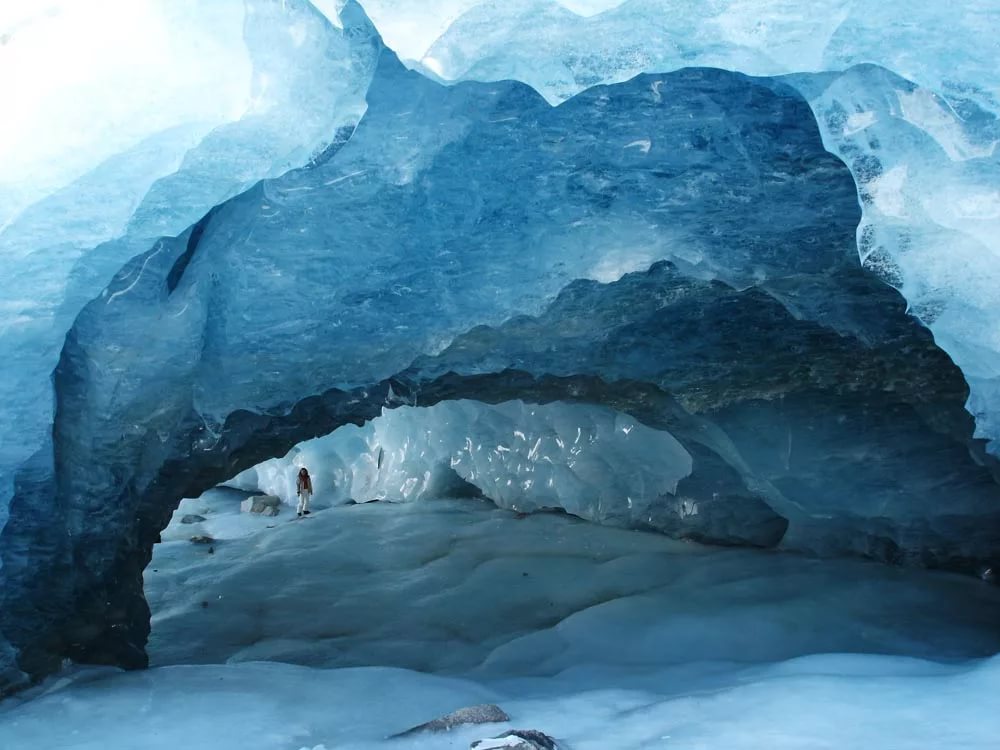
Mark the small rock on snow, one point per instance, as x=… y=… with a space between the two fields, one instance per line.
x=486 y=713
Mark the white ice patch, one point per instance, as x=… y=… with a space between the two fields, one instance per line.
x=931 y=114
x=889 y=192
x=643 y=145
x=617 y=263
x=859 y=121
x=82 y=82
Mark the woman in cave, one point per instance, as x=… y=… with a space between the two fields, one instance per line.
x=304 y=489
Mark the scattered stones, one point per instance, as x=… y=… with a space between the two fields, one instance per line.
x=486 y=713
x=517 y=739
x=267 y=505
x=192 y=518
x=202 y=539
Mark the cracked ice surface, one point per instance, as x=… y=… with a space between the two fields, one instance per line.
x=592 y=462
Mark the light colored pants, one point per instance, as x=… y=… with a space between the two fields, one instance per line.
x=304 y=498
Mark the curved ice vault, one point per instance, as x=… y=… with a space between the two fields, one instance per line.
x=592 y=462
x=680 y=248
x=151 y=113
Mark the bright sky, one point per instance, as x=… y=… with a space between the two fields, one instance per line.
x=80 y=81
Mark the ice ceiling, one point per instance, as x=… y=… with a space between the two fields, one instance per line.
x=232 y=226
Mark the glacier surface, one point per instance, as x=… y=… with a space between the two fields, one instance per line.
x=292 y=232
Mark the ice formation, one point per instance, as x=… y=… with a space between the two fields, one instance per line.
x=592 y=462
x=601 y=638
x=314 y=232
x=439 y=586
x=919 y=133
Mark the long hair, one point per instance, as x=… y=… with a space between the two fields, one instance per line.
x=305 y=480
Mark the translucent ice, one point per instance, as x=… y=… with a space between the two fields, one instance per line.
x=151 y=113
x=410 y=27
x=559 y=52
x=928 y=175
x=612 y=640
x=921 y=139
x=590 y=461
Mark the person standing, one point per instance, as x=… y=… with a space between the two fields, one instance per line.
x=304 y=489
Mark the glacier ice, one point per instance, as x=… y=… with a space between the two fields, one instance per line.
x=589 y=461
x=920 y=135
x=410 y=28
x=118 y=141
x=679 y=249
x=945 y=48
x=600 y=644
x=473 y=242
x=927 y=170
x=134 y=139
x=856 y=701
x=438 y=585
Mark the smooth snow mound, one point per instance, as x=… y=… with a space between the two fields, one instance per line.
x=601 y=638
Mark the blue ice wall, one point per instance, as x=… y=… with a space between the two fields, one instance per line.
x=919 y=131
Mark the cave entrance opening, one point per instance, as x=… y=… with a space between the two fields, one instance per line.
x=417 y=497
x=454 y=570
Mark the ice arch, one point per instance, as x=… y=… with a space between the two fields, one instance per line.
x=680 y=248
x=593 y=462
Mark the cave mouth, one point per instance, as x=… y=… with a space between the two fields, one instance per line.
x=814 y=412
x=458 y=586
x=414 y=501
x=470 y=538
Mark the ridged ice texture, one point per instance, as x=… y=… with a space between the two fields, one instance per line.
x=153 y=112
x=590 y=461
x=947 y=47
x=447 y=209
x=928 y=176
x=921 y=140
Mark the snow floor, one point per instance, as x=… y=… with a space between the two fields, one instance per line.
x=358 y=622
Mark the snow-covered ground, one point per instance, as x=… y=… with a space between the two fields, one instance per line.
x=385 y=616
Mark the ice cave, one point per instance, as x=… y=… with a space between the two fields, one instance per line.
x=642 y=358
